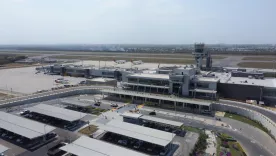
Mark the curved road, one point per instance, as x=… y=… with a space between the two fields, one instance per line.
x=268 y=113
x=251 y=146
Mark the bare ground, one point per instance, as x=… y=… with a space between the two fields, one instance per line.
x=265 y=65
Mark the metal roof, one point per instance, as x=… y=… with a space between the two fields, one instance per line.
x=158 y=96
x=57 y=112
x=85 y=146
x=22 y=126
x=3 y=148
x=75 y=102
x=163 y=121
x=131 y=115
x=207 y=79
x=139 y=132
x=151 y=76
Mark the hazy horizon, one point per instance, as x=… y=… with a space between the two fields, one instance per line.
x=155 y=22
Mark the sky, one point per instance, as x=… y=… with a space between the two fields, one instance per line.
x=137 y=21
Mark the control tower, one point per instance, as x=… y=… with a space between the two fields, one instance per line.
x=199 y=54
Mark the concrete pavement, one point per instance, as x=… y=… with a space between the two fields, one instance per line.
x=266 y=112
x=252 y=147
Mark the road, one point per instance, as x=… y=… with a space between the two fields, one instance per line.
x=265 y=112
x=252 y=147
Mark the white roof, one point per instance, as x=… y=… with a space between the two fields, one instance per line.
x=267 y=82
x=3 y=148
x=139 y=132
x=85 y=146
x=57 y=112
x=163 y=121
x=131 y=115
x=150 y=76
x=22 y=126
x=100 y=79
x=158 y=96
x=207 y=79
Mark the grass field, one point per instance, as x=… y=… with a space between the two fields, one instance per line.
x=267 y=58
x=88 y=130
x=266 y=65
x=136 y=55
x=245 y=120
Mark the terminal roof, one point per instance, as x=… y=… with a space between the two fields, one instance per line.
x=139 y=132
x=267 y=82
x=131 y=115
x=57 y=112
x=85 y=146
x=22 y=126
x=151 y=76
x=157 y=96
x=162 y=121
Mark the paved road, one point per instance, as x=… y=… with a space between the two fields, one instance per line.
x=267 y=113
x=252 y=147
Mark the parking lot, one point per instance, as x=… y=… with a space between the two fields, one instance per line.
x=71 y=126
x=25 y=142
x=162 y=127
x=134 y=144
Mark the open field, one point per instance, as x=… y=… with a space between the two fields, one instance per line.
x=266 y=58
x=144 y=59
x=265 y=65
x=17 y=65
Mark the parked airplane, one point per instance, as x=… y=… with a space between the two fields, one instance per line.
x=137 y=62
x=120 y=61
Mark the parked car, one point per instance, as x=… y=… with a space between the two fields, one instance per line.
x=152 y=113
x=97 y=104
x=123 y=142
x=138 y=144
x=24 y=112
x=167 y=129
x=114 y=105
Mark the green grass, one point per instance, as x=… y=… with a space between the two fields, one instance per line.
x=256 y=58
x=246 y=120
x=218 y=145
x=266 y=65
x=96 y=111
x=233 y=146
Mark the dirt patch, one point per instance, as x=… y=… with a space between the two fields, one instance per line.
x=17 y=65
x=266 y=65
x=89 y=130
